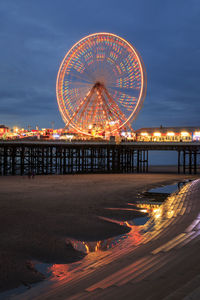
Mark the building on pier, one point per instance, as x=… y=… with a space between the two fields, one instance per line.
x=168 y=134
x=3 y=130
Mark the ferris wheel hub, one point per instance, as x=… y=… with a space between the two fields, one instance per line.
x=98 y=85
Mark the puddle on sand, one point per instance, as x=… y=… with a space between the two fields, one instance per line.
x=103 y=245
x=138 y=226
x=158 y=195
x=57 y=272
x=168 y=189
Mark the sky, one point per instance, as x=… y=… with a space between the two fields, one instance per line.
x=35 y=35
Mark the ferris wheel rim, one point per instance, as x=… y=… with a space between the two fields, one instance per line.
x=142 y=93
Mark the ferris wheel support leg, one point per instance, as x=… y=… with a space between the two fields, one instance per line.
x=107 y=110
x=118 y=111
x=80 y=107
x=84 y=109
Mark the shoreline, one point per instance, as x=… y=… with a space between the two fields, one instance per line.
x=152 y=169
x=42 y=223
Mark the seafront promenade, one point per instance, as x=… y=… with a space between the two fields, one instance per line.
x=162 y=263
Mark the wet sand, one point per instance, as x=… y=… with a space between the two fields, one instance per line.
x=37 y=215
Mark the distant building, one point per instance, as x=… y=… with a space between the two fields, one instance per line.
x=3 y=129
x=168 y=134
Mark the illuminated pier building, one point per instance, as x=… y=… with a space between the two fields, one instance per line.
x=168 y=134
x=3 y=130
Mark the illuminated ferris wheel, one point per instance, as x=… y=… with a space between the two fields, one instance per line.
x=101 y=84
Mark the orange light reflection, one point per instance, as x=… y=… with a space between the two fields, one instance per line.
x=60 y=271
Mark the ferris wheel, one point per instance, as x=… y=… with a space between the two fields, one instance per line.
x=101 y=84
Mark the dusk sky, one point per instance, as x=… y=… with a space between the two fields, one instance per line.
x=35 y=36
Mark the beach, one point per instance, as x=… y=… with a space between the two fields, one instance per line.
x=38 y=214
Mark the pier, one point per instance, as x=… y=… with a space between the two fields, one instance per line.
x=52 y=157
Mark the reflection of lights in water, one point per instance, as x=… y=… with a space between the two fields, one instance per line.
x=97 y=246
x=157 y=215
x=63 y=271
x=160 y=216
x=157 y=212
x=80 y=246
x=149 y=208
x=134 y=235
x=59 y=271
x=170 y=214
x=88 y=247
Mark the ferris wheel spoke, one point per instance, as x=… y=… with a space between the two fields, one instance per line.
x=75 y=90
x=133 y=92
x=116 y=108
x=107 y=73
x=104 y=104
x=119 y=115
x=128 y=102
x=113 y=112
x=78 y=84
x=97 y=106
x=108 y=113
x=126 y=92
x=72 y=97
x=79 y=108
x=82 y=78
x=94 y=109
x=107 y=108
x=84 y=108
